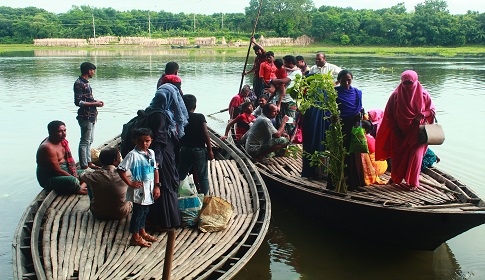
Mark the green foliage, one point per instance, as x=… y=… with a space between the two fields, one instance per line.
x=430 y=24
x=318 y=91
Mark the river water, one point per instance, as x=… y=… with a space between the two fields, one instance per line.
x=36 y=87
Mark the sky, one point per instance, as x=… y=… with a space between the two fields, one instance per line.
x=225 y=6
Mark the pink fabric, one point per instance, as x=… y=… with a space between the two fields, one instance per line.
x=371 y=143
x=397 y=137
x=376 y=116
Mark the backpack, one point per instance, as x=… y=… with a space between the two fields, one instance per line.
x=141 y=120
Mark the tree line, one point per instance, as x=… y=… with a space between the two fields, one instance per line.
x=430 y=24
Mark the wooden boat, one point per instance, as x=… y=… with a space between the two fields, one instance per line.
x=58 y=237
x=442 y=207
x=185 y=46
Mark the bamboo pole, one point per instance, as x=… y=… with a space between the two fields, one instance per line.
x=167 y=265
x=249 y=48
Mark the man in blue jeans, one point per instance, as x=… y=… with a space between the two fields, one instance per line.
x=195 y=146
x=87 y=112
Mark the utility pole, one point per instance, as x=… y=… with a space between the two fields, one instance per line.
x=222 y=24
x=94 y=31
x=194 y=22
x=149 y=27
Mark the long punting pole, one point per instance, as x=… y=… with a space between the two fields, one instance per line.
x=167 y=265
x=249 y=48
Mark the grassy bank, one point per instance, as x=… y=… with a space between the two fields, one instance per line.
x=469 y=51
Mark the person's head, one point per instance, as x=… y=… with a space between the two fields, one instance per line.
x=367 y=126
x=278 y=63
x=57 y=131
x=270 y=110
x=87 y=69
x=320 y=59
x=143 y=138
x=110 y=156
x=262 y=100
x=289 y=61
x=409 y=78
x=247 y=107
x=269 y=56
x=190 y=102
x=300 y=61
x=246 y=89
x=345 y=78
x=257 y=50
x=171 y=68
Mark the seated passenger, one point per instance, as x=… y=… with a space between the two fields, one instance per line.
x=237 y=100
x=372 y=168
x=243 y=121
x=375 y=116
x=262 y=100
x=429 y=159
x=107 y=187
x=263 y=138
x=56 y=168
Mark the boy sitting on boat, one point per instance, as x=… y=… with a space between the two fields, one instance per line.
x=243 y=121
x=144 y=186
x=56 y=168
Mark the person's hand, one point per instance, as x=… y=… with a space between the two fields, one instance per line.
x=253 y=40
x=156 y=192
x=136 y=184
x=419 y=118
x=244 y=73
x=224 y=137
x=286 y=118
x=333 y=119
x=99 y=103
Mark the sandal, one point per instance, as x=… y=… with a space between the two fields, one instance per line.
x=413 y=188
x=149 y=238
x=140 y=242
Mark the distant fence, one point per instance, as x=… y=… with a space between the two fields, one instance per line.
x=300 y=41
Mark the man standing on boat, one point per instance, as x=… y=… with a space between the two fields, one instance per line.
x=260 y=58
x=323 y=67
x=56 y=169
x=87 y=112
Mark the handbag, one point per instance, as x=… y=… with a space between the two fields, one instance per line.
x=431 y=133
x=358 y=141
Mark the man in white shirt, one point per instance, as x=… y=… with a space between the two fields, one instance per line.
x=323 y=67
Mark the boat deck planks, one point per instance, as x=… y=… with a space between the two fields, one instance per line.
x=68 y=242
x=431 y=193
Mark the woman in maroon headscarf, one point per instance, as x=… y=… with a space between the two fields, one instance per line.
x=397 y=137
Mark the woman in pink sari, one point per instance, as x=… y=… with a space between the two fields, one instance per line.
x=397 y=138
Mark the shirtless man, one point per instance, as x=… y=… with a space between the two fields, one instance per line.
x=56 y=169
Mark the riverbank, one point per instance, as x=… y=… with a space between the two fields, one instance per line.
x=469 y=51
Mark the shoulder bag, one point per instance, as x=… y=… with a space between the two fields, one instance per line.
x=431 y=133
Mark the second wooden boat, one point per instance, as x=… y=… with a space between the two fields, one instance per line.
x=59 y=238
x=442 y=207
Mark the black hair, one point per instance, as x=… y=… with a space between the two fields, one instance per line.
x=171 y=67
x=343 y=73
x=190 y=101
x=143 y=131
x=278 y=62
x=367 y=125
x=86 y=66
x=269 y=53
x=108 y=155
x=245 y=105
x=289 y=58
x=257 y=48
x=266 y=108
x=53 y=126
x=265 y=96
x=299 y=58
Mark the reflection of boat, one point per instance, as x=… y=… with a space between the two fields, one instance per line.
x=185 y=46
x=58 y=237
x=441 y=209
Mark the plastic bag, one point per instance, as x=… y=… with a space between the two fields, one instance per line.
x=358 y=142
x=190 y=208
x=187 y=187
x=215 y=214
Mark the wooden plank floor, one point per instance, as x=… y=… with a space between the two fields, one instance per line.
x=431 y=194
x=75 y=245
